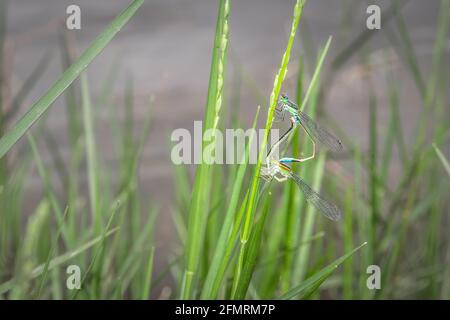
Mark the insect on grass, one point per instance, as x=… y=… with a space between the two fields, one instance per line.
x=280 y=171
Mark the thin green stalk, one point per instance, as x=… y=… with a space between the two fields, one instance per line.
x=442 y=158
x=230 y=245
x=393 y=128
x=294 y=214
x=411 y=58
x=52 y=252
x=430 y=93
x=28 y=254
x=145 y=295
x=251 y=255
x=249 y=215
x=274 y=244
x=101 y=246
x=74 y=130
x=46 y=180
x=373 y=171
x=214 y=277
x=199 y=208
x=348 y=244
x=365 y=36
x=3 y=26
x=308 y=222
x=313 y=171
x=91 y=161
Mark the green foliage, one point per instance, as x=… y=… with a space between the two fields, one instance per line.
x=239 y=237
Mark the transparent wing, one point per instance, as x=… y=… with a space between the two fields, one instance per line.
x=280 y=114
x=280 y=140
x=265 y=174
x=329 y=210
x=319 y=134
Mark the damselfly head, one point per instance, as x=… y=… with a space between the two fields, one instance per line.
x=280 y=108
x=284 y=98
x=285 y=103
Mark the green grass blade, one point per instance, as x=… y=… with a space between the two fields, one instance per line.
x=135 y=251
x=293 y=198
x=3 y=26
x=101 y=246
x=53 y=249
x=365 y=36
x=408 y=53
x=199 y=209
x=348 y=276
x=71 y=96
x=316 y=74
x=280 y=255
x=36 y=111
x=318 y=278
x=57 y=261
x=279 y=78
x=373 y=169
x=183 y=189
x=312 y=171
x=443 y=159
x=229 y=247
x=251 y=254
x=392 y=130
x=56 y=157
x=214 y=276
x=308 y=221
x=88 y=121
x=28 y=253
x=145 y=295
x=46 y=180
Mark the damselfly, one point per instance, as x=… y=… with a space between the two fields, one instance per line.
x=278 y=170
x=287 y=108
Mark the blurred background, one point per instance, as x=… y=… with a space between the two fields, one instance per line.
x=160 y=63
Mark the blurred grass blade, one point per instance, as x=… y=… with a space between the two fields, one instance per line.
x=308 y=221
x=57 y=261
x=53 y=249
x=89 y=134
x=145 y=295
x=348 y=275
x=27 y=86
x=443 y=159
x=100 y=248
x=316 y=75
x=3 y=26
x=313 y=172
x=373 y=185
x=411 y=57
x=365 y=36
x=50 y=192
x=36 y=111
x=318 y=278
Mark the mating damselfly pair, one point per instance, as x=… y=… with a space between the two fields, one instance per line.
x=279 y=170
